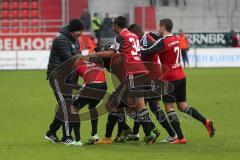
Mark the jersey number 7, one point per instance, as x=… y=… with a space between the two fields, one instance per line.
x=177 y=51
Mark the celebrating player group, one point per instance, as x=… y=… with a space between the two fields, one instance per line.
x=148 y=69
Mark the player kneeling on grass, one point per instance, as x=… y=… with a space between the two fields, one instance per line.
x=92 y=93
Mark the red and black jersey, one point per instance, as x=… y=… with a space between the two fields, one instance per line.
x=151 y=61
x=90 y=72
x=128 y=46
x=168 y=50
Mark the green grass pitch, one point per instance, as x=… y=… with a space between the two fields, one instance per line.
x=27 y=107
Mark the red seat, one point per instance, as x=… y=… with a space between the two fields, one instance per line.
x=15 y=14
x=24 y=14
x=25 y=30
x=15 y=30
x=25 y=22
x=4 y=26
x=5 y=23
x=4 y=30
x=34 y=14
x=34 y=5
x=5 y=14
x=4 y=5
x=15 y=23
x=15 y=5
x=34 y=25
x=34 y=29
x=25 y=26
x=24 y=5
x=34 y=22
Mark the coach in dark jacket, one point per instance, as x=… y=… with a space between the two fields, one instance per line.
x=64 y=48
x=65 y=45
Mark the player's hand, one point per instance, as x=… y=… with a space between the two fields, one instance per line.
x=86 y=58
x=86 y=52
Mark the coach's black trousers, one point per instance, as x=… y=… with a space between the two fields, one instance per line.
x=63 y=80
x=62 y=111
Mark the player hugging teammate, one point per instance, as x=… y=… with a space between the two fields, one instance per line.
x=149 y=69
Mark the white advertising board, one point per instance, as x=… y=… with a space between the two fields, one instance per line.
x=214 y=57
x=22 y=60
x=199 y=57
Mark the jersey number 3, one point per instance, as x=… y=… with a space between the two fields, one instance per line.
x=135 y=45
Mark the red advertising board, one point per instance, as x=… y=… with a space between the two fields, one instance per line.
x=27 y=42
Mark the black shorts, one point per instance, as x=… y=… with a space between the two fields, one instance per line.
x=136 y=86
x=91 y=94
x=178 y=94
x=152 y=99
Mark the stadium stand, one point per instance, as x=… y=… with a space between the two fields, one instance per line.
x=18 y=13
x=206 y=15
x=30 y=16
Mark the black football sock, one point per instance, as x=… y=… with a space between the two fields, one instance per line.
x=173 y=118
x=122 y=125
x=94 y=121
x=121 y=121
x=137 y=124
x=125 y=126
x=144 y=118
x=152 y=125
x=195 y=114
x=94 y=127
x=111 y=122
x=119 y=132
x=162 y=119
x=76 y=129
x=54 y=126
x=136 y=127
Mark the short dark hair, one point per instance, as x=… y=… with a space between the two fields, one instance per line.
x=120 y=21
x=167 y=23
x=135 y=28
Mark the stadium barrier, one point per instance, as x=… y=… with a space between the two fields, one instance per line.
x=199 y=57
x=214 y=57
x=210 y=39
x=24 y=60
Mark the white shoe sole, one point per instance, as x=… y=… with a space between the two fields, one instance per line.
x=79 y=145
x=49 y=139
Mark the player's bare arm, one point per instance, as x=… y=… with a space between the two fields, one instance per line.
x=104 y=54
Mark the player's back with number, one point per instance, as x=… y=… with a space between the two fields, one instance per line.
x=130 y=51
x=170 y=58
x=130 y=46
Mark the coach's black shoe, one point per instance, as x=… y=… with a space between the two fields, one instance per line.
x=67 y=141
x=51 y=137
